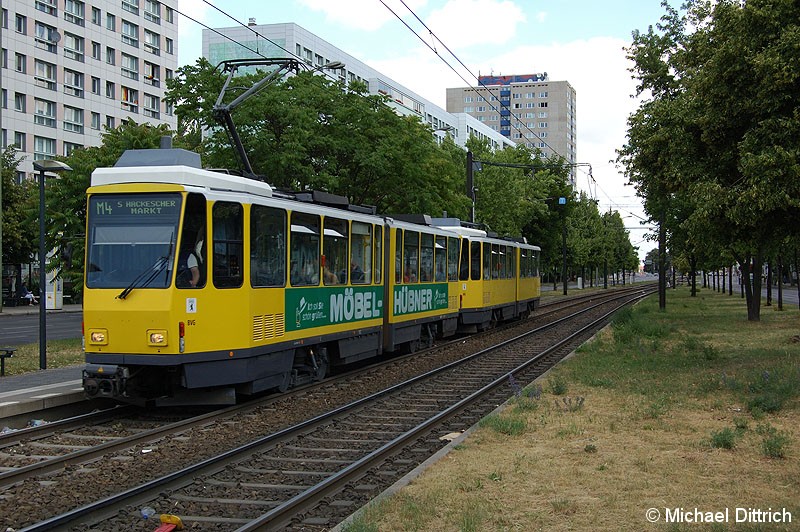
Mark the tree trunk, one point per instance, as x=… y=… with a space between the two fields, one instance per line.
x=752 y=287
x=662 y=260
x=693 y=268
x=730 y=280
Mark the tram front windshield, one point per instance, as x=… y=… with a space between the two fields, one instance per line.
x=131 y=240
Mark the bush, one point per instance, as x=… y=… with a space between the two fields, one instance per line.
x=723 y=439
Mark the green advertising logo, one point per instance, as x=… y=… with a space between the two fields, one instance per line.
x=424 y=298
x=316 y=307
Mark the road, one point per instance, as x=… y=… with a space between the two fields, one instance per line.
x=24 y=328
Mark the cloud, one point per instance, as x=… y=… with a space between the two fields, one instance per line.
x=598 y=70
x=463 y=23
x=360 y=14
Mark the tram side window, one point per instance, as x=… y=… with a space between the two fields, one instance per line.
x=192 y=258
x=508 y=255
x=268 y=246
x=535 y=264
x=496 y=261
x=452 y=259
x=410 y=256
x=334 y=251
x=476 y=261
x=524 y=264
x=227 y=221
x=487 y=261
x=361 y=253
x=441 y=259
x=426 y=258
x=304 y=244
x=463 y=271
x=378 y=254
x=398 y=256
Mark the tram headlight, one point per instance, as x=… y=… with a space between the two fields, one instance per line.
x=98 y=337
x=157 y=337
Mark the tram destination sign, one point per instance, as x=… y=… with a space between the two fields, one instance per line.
x=125 y=205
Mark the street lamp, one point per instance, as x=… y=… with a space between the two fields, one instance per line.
x=47 y=165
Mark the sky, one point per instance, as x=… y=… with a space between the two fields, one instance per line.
x=580 y=41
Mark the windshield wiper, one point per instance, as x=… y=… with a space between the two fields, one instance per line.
x=158 y=266
x=151 y=272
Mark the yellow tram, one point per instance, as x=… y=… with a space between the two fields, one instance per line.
x=201 y=285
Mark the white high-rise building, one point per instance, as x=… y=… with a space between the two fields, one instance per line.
x=529 y=109
x=70 y=68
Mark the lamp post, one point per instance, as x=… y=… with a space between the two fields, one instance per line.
x=47 y=165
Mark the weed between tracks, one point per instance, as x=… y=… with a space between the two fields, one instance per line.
x=690 y=408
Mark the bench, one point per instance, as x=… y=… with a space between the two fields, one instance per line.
x=5 y=352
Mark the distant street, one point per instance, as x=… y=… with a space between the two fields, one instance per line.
x=24 y=328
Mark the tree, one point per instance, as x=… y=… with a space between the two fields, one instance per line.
x=720 y=130
x=306 y=132
x=19 y=235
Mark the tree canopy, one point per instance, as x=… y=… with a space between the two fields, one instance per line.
x=714 y=147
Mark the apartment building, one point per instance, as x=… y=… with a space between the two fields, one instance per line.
x=526 y=108
x=71 y=68
x=291 y=40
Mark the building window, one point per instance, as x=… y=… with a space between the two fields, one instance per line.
x=468 y=99
x=20 y=102
x=152 y=74
x=43 y=148
x=73 y=119
x=169 y=14
x=45 y=114
x=168 y=73
x=97 y=51
x=111 y=22
x=111 y=56
x=152 y=42
x=46 y=37
x=111 y=90
x=73 y=46
x=69 y=147
x=20 y=63
x=21 y=24
x=45 y=74
x=47 y=6
x=95 y=85
x=74 y=11
x=542 y=124
x=542 y=114
x=96 y=16
x=73 y=83
x=130 y=66
x=542 y=95
x=110 y=122
x=130 y=33
x=95 y=120
x=468 y=109
x=152 y=11
x=542 y=104
x=151 y=106
x=169 y=47
x=20 y=141
x=130 y=99
x=131 y=6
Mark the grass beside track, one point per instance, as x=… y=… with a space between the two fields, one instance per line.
x=692 y=408
x=60 y=353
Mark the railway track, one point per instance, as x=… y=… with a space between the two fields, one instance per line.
x=278 y=474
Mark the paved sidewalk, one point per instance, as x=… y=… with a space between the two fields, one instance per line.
x=34 y=309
